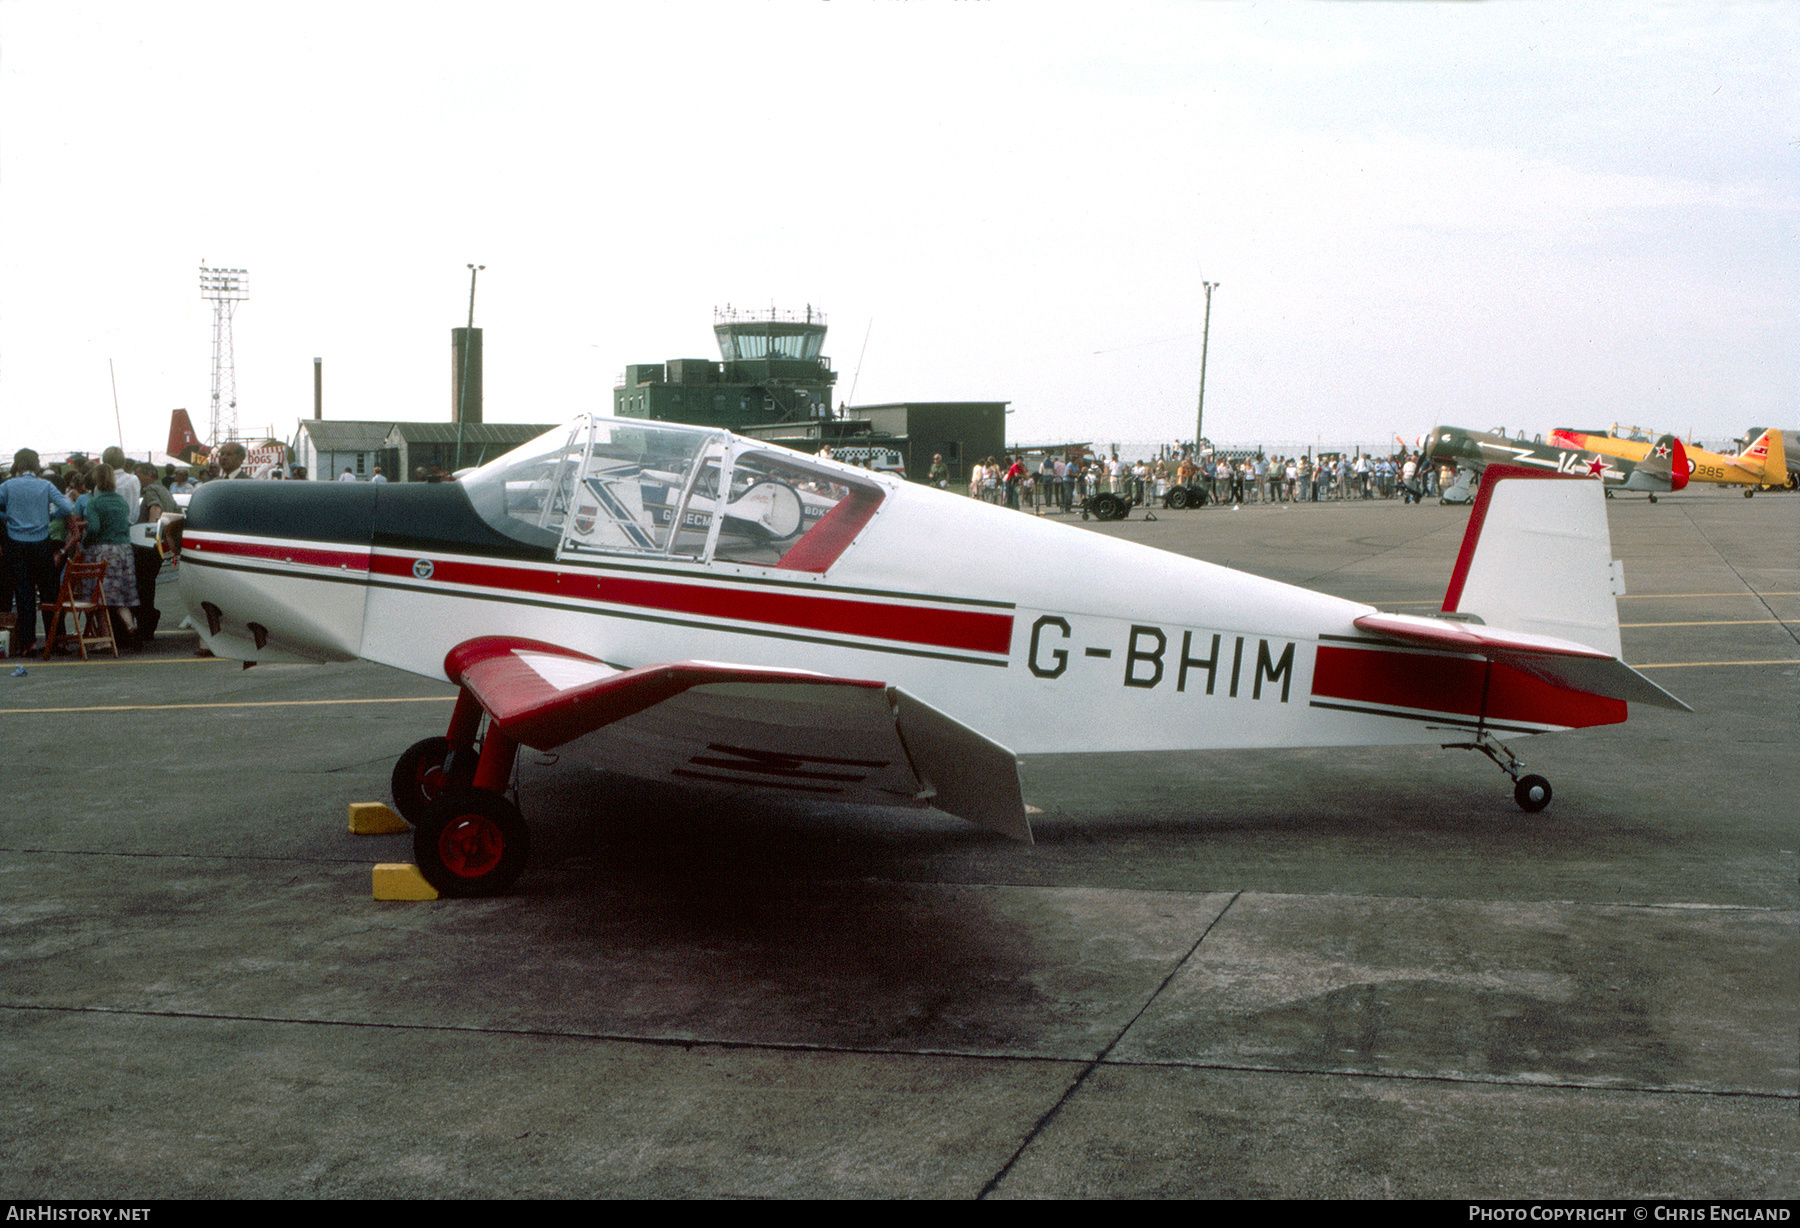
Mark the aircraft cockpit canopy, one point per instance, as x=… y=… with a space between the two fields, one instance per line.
x=609 y=486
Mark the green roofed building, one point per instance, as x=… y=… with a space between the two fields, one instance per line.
x=771 y=370
x=772 y=382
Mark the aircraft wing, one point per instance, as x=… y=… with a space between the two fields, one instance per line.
x=1562 y=663
x=747 y=728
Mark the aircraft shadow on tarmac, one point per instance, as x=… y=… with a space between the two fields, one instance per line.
x=1390 y=822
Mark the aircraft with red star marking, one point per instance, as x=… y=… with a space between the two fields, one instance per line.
x=1762 y=463
x=1662 y=468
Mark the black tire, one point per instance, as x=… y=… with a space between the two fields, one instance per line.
x=1750 y=492
x=1532 y=793
x=420 y=776
x=1176 y=499
x=1653 y=498
x=471 y=842
x=1110 y=507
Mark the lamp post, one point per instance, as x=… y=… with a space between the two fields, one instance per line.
x=1205 y=335
x=462 y=385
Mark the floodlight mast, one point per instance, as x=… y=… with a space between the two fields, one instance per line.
x=225 y=289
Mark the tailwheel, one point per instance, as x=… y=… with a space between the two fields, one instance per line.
x=471 y=842
x=1532 y=793
x=1653 y=498
x=424 y=772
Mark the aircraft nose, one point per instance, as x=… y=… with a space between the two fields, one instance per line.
x=277 y=571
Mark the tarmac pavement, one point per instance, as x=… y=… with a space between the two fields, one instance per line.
x=1308 y=973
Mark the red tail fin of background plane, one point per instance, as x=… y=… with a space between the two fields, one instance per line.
x=183 y=441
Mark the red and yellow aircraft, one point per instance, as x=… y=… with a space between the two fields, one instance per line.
x=1763 y=463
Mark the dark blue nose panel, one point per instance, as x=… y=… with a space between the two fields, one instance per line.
x=407 y=515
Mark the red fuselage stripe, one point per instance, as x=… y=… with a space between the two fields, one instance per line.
x=964 y=630
x=311 y=556
x=1454 y=685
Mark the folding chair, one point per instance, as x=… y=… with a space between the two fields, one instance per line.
x=93 y=623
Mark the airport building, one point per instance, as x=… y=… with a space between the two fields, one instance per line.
x=772 y=381
x=771 y=371
x=406 y=451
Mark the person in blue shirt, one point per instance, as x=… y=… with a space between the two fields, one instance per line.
x=30 y=504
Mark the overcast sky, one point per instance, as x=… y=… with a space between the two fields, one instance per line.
x=1531 y=214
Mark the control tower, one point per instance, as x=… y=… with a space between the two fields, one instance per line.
x=771 y=371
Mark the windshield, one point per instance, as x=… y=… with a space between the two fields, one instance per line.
x=524 y=494
x=636 y=478
x=609 y=486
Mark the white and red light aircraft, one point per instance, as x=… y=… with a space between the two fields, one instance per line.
x=866 y=639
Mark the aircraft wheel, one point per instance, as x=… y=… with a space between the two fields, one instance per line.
x=471 y=842
x=1532 y=793
x=1749 y=493
x=420 y=776
x=1609 y=494
x=1176 y=499
x=1653 y=498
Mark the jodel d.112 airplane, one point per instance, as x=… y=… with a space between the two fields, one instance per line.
x=686 y=605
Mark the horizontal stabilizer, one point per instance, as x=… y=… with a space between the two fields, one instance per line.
x=745 y=728
x=1561 y=663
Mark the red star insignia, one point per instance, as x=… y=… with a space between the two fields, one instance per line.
x=1596 y=467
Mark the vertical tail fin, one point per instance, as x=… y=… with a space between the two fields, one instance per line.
x=1766 y=455
x=1541 y=561
x=1667 y=462
x=182 y=437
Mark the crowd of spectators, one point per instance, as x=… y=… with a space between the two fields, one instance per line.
x=82 y=510
x=1065 y=483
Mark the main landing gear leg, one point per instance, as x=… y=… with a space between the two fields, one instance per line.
x=427 y=769
x=1532 y=793
x=472 y=840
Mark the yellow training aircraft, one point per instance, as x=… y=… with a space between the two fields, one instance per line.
x=1763 y=463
